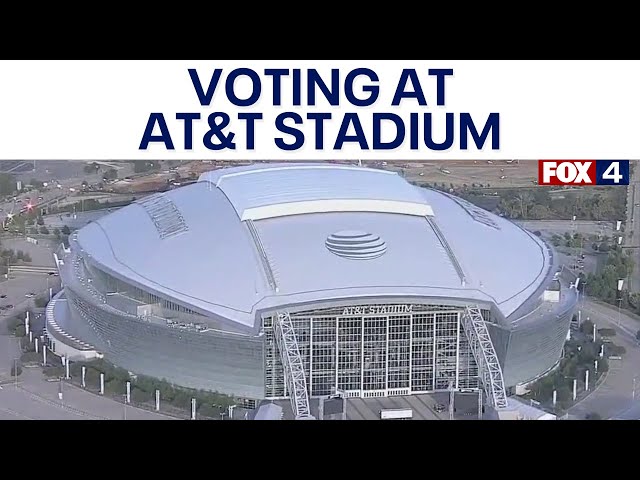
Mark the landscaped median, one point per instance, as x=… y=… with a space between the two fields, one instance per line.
x=173 y=400
x=581 y=355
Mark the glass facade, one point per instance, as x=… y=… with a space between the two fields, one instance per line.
x=375 y=350
x=364 y=350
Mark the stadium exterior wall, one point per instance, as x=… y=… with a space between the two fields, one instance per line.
x=529 y=351
x=216 y=361
x=234 y=364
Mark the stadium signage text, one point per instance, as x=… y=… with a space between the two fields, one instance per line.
x=295 y=110
x=377 y=309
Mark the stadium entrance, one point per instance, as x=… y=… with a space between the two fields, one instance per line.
x=375 y=350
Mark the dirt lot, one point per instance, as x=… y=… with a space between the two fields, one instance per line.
x=516 y=174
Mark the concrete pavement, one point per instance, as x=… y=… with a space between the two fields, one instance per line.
x=588 y=227
x=614 y=396
x=35 y=398
x=38 y=399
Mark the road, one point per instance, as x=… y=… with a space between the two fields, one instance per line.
x=588 y=227
x=15 y=289
x=35 y=398
x=77 y=221
x=67 y=174
x=614 y=398
x=632 y=227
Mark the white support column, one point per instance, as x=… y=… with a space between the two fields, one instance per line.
x=44 y=355
x=555 y=397
x=128 y=392
x=337 y=352
x=458 y=353
x=157 y=400
x=84 y=373
x=575 y=389
x=594 y=332
x=434 y=352
x=310 y=356
x=586 y=380
x=30 y=337
x=66 y=366
x=362 y=357
x=193 y=409
x=410 y=352
x=596 y=366
x=102 y=384
x=35 y=344
x=386 y=366
x=26 y=324
x=50 y=293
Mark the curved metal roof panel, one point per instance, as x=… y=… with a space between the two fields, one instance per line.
x=190 y=244
x=266 y=191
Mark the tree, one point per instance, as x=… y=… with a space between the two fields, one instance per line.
x=587 y=327
x=7 y=184
x=41 y=302
x=638 y=335
x=140 y=396
x=66 y=230
x=208 y=410
x=593 y=416
x=16 y=372
x=44 y=230
x=19 y=331
x=91 y=168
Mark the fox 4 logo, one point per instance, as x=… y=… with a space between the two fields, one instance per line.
x=583 y=172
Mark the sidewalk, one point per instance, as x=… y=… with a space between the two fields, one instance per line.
x=614 y=395
x=35 y=398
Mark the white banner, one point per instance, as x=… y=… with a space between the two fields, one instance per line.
x=291 y=110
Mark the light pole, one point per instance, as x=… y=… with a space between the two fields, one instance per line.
x=620 y=285
x=633 y=392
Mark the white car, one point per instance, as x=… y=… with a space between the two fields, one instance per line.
x=30 y=295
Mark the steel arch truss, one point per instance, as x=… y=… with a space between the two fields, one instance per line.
x=295 y=378
x=489 y=369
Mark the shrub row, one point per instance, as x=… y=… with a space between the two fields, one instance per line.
x=143 y=388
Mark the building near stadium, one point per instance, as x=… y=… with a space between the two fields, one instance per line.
x=296 y=281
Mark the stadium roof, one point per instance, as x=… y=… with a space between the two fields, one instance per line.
x=260 y=192
x=244 y=239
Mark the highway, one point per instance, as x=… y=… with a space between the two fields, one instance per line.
x=40 y=200
x=632 y=227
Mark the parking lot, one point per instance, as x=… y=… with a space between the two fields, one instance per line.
x=433 y=406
